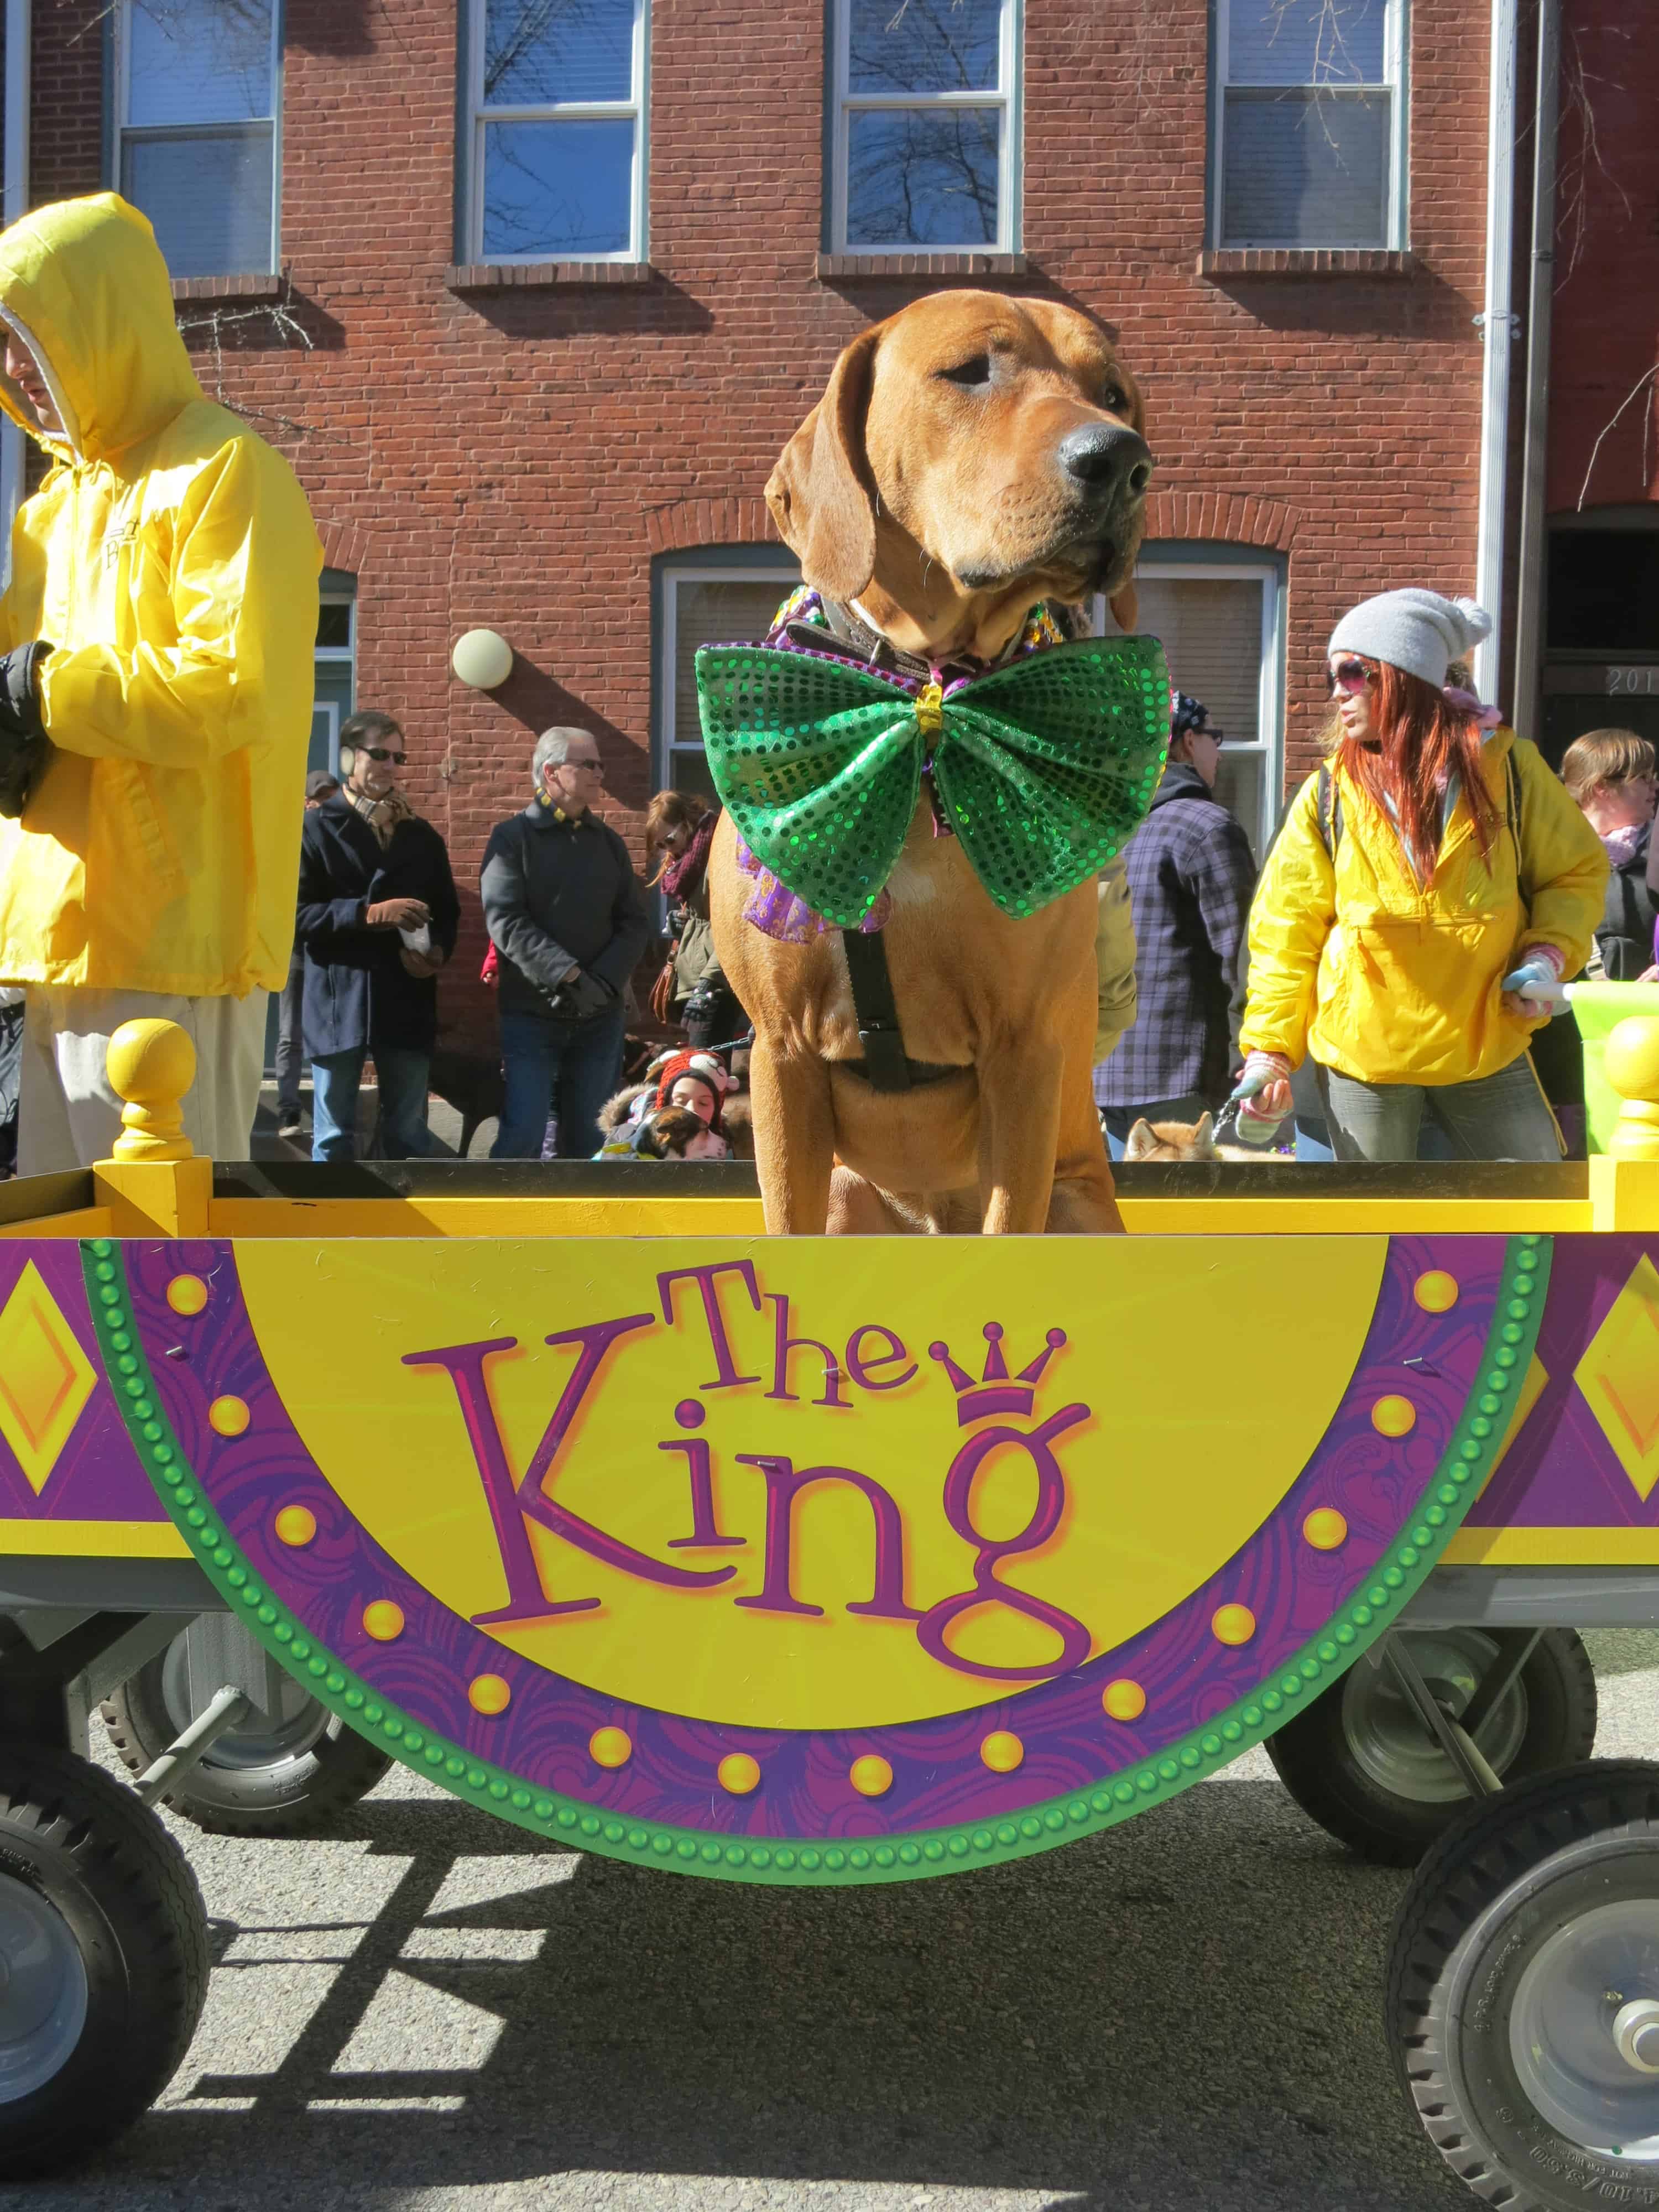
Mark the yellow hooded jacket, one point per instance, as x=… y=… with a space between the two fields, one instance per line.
x=170 y=560
x=1354 y=960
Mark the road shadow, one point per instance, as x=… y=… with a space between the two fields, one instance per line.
x=1185 y=2012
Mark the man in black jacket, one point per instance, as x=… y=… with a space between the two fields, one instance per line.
x=378 y=915
x=565 y=912
x=1191 y=880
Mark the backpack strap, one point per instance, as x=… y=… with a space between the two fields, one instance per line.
x=1512 y=780
x=1328 y=806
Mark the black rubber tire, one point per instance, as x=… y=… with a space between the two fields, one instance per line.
x=104 y=1864
x=1514 y=1870
x=1314 y=1759
x=302 y=1793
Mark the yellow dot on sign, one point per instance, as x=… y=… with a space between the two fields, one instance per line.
x=1124 y=1700
x=739 y=1773
x=1437 y=1292
x=870 y=1776
x=187 y=1294
x=1394 y=1417
x=296 y=1524
x=229 y=1416
x=383 y=1620
x=487 y=1694
x=610 y=1746
x=1325 y=1528
x=1001 y=1751
x=1233 y=1624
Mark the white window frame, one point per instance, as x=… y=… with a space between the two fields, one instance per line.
x=634 y=109
x=1269 y=744
x=1396 y=202
x=1007 y=99
x=673 y=574
x=335 y=657
x=166 y=132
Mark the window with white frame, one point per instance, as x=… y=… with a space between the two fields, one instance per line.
x=558 y=156
x=731 y=602
x=334 y=699
x=926 y=124
x=195 y=103
x=1309 y=117
x=1220 y=627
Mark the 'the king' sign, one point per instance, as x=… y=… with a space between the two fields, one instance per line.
x=817 y=1561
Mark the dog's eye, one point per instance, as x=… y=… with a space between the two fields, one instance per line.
x=970 y=372
x=1114 y=399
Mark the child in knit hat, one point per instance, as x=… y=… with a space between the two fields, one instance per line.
x=1432 y=883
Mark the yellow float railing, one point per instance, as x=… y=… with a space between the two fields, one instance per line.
x=155 y=1185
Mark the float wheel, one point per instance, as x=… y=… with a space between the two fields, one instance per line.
x=103 y=1960
x=1523 y=1991
x=290 y=1775
x=1360 y=1762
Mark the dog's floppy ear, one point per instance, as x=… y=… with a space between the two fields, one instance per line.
x=821 y=494
x=1140 y=1141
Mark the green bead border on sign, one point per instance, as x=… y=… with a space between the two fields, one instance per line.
x=1458 y=1481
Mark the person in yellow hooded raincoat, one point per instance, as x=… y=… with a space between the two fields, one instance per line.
x=1429 y=889
x=155 y=693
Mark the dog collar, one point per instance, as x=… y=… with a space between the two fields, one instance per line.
x=1042 y=767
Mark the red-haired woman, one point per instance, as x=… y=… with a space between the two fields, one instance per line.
x=1431 y=886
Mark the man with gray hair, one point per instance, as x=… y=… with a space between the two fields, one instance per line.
x=565 y=912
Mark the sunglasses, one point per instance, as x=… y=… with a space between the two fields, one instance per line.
x=1350 y=676
x=596 y=766
x=381 y=753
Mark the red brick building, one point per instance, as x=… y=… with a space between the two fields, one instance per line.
x=533 y=293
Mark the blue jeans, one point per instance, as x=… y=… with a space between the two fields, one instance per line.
x=1505 y=1116
x=334 y=1085
x=569 y=1068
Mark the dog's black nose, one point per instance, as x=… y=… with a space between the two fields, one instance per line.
x=1109 y=459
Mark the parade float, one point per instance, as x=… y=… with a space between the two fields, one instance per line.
x=844 y=1561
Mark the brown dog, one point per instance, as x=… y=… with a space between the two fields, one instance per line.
x=970 y=456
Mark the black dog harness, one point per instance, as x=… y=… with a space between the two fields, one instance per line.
x=885 y=1065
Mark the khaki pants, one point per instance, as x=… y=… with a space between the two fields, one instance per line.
x=68 y=1116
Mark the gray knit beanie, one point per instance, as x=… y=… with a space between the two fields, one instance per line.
x=1416 y=630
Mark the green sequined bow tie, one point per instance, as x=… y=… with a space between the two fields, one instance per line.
x=1042 y=767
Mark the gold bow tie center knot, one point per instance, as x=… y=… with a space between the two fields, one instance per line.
x=930 y=711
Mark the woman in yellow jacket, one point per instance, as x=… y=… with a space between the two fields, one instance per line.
x=1430 y=888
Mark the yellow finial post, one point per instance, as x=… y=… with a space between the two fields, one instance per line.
x=155 y=1184
x=1632 y=1065
x=1624 y=1185
x=151 y=1066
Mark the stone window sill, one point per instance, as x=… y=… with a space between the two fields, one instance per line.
x=273 y=286
x=832 y=267
x=539 y=276
x=1306 y=261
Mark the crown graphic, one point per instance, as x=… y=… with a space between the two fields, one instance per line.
x=996 y=1392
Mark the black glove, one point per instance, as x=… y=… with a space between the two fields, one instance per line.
x=580 y=995
x=25 y=748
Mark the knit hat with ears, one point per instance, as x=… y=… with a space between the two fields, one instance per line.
x=1416 y=630
x=706 y=1070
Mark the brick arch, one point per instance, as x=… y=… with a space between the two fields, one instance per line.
x=345 y=546
x=1230 y=518
x=690 y=522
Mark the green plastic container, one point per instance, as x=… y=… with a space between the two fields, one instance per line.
x=1598 y=1008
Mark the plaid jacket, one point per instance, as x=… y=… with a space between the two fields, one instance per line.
x=1191 y=879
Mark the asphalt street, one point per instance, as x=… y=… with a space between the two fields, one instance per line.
x=429 y=2011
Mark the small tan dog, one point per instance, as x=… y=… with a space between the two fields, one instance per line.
x=1188 y=1141
x=971 y=456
